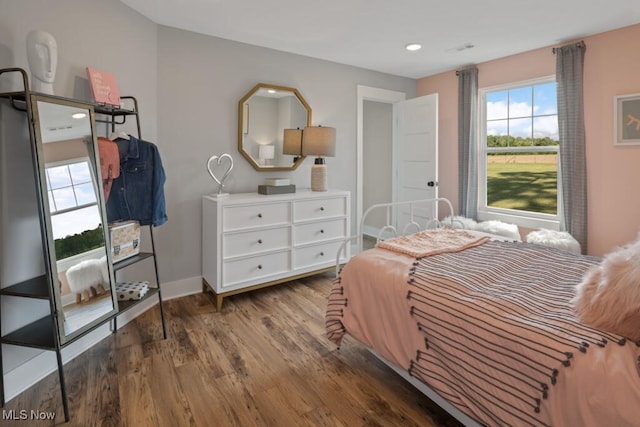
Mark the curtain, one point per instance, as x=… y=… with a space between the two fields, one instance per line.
x=468 y=142
x=573 y=168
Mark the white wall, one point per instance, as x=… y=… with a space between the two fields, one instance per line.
x=200 y=80
x=188 y=87
x=100 y=34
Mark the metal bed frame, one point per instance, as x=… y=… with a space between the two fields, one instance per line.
x=415 y=224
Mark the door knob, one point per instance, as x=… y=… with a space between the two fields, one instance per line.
x=431 y=184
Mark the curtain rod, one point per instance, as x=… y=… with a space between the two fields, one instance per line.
x=464 y=69
x=579 y=44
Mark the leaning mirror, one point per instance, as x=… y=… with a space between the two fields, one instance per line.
x=72 y=203
x=263 y=115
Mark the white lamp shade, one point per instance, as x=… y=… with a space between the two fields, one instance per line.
x=319 y=141
x=266 y=151
x=292 y=142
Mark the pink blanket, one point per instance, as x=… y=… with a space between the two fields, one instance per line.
x=491 y=331
x=433 y=242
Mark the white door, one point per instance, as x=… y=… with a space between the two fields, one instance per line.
x=415 y=154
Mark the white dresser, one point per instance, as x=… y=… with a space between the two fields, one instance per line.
x=251 y=240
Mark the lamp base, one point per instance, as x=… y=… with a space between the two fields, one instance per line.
x=319 y=177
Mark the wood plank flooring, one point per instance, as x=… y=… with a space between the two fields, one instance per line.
x=264 y=360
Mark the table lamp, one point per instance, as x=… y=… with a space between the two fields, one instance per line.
x=319 y=141
x=292 y=143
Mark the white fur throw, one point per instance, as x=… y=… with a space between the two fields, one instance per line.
x=555 y=239
x=500 y=228
x=494 y=227
x=608 y=297
x=88 y=273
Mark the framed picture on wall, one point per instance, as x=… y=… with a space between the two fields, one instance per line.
x=626 y=116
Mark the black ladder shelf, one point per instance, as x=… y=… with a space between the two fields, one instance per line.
x=43 y=333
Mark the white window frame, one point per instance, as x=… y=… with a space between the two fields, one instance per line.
x=67 y=163
x=513 y=216
x=61 y=212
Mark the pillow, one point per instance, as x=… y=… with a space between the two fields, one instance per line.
x=500 y=228
x=555 y=239
x=608 y=297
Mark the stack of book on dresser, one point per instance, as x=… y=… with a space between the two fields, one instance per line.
x=276 y=186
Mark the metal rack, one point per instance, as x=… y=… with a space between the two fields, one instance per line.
x=43 y=333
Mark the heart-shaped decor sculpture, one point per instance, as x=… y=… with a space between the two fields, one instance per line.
x=217 y=161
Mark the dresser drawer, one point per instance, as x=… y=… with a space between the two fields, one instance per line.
x=319 y=208
x=316 y=255
x=253 y=268
x=255 y=241
x=256 y=215
x=320 y=230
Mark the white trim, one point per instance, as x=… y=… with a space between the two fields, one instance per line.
x=44 y=363
x=29 y=373
x=518 y=217
x=370 y=231
x=523 y=83
x=367 y=93
x=529 y=219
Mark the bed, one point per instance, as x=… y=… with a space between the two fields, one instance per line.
x=484 y=326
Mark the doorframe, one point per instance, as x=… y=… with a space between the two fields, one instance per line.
x=367 y=93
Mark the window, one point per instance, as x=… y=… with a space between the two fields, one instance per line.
x=69 y=186
x=519 y=154
x=73 y=206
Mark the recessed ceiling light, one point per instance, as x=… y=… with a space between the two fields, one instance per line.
x=413 y=47
x=79 y=115
x=271 y=91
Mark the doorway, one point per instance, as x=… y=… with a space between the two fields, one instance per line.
x=374 y=101
x=397 y=152
x=377 y=155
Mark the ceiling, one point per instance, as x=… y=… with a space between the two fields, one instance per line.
x=372 y=33
x=58 y=124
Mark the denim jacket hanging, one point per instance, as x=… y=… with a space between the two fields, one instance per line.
x=138 y=193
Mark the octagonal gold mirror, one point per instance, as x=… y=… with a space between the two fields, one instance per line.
x=263 y=115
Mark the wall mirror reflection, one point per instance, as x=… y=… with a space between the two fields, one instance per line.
x=72 y=201
x=263 y=115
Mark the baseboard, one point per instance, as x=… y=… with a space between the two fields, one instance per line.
x=35 y=369
x=371 y=231
x=29 y=373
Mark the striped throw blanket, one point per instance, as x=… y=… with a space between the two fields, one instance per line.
x=498 y=320
x=491 y=330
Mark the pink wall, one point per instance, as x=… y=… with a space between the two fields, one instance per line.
x=612 y=67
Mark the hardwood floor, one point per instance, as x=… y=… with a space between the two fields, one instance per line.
x=264 y=360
